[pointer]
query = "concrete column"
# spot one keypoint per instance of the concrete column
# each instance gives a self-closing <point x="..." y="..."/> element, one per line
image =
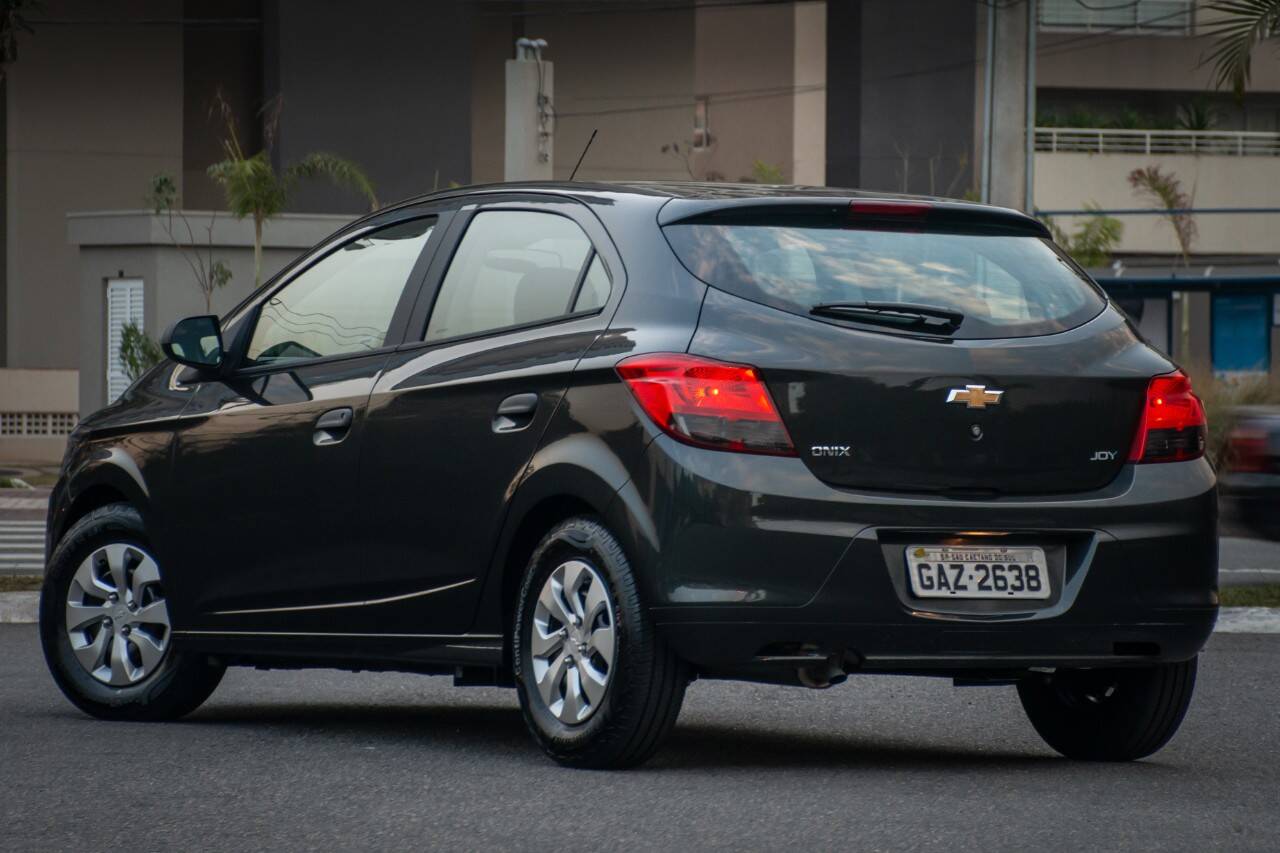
<point x="529" y="130"/>
<point x="1008" y="164"/>
<point x="1192" y="333"/>
<point x="1275" y="334"/>
<point x="900" y="96"/>
<point x="809" y="110"/>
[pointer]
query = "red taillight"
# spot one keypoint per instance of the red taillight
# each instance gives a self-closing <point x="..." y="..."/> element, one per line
<point x="707" y="403"/>
<point x="1172" y="426"/>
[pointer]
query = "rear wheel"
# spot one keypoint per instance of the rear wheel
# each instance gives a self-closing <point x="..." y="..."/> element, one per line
<point x="598" y="688"/>
<point x="1109" y="714"/>
<point x="105" y="626"/>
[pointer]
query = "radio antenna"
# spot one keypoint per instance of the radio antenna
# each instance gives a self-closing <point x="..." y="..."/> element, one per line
<point x="585" y="148"/>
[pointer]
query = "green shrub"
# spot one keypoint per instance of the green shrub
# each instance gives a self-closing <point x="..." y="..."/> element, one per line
<point x="138" y="352"/>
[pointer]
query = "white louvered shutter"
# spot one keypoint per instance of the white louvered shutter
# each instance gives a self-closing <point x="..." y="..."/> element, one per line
<point x="124" y="306"/>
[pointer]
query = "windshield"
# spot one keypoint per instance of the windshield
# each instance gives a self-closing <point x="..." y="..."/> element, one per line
<point x="1005" y="286"/>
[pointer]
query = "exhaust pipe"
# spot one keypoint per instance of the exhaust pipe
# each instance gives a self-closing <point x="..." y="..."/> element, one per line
<point x="828" y="673"/>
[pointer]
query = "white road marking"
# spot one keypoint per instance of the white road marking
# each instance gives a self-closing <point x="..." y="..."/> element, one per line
<point x="24" y="503"/>
<point x="21" y="546"/>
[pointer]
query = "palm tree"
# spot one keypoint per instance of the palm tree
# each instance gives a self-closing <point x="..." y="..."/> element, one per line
<point x="252" y="186"/>
<point x="1245" y="25"/>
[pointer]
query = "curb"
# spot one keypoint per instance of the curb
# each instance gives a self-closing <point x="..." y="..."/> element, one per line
<point x="1248" y="620"/>
<point x="19" y="608"/>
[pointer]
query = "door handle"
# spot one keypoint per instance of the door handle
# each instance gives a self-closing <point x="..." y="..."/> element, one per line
<point x="332" y="427"/>
<point x="515" y="413"/>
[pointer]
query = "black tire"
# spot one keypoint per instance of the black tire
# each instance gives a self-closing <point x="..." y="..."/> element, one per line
<point x="646" y="683"/>
<point x="1109" y="714"/>
<point x="180" y="682"/>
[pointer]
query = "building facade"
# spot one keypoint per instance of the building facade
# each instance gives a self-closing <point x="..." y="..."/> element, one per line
<point x="876" y="94"/>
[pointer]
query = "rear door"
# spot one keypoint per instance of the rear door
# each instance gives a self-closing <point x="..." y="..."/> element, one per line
<point x="459" y="410"/>
<point x="1037" y="390"/>
<point x="266" y="460"/>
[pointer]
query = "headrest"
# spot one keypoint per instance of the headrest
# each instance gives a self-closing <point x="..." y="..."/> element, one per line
<point x="543" y="293"/>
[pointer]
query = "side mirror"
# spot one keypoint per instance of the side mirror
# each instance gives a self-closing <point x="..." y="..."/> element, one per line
<point x="195" y="342"/>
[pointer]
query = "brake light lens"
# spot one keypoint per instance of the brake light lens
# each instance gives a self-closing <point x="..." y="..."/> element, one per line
<point x="707" y="403"/>
<point x="890" y="207"/>
<point x="1172" y="427"/>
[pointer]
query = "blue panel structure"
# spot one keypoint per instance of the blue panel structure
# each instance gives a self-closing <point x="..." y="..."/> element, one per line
<point x="1241" y="332"/>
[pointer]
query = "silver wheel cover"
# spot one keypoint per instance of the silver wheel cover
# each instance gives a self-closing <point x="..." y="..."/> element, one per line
<point x="573" y="642"/>
<point x="117" y="618"/>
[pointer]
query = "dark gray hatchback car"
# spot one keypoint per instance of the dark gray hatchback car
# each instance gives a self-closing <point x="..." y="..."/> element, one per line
<point x="594" y="441"/>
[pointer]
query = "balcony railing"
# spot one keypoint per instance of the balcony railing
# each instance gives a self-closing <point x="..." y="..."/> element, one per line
<point x="1231" y="143"/>
<point x="1173" y="17"/>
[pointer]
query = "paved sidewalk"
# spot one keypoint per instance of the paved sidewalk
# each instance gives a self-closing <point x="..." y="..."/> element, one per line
<point x="24" y="504"/>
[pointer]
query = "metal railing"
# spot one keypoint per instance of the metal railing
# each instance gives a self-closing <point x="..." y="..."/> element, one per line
<point x="1097" y="140"/>
<point x="1173" y="17"/>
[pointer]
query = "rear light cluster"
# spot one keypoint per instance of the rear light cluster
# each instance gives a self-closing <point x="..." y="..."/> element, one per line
<point x="1172" y="426"/>
<point x="707" y="403"/>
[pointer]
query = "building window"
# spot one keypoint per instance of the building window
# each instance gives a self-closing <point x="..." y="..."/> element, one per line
<point x="701" y="131"/>
<point x="1158" y="16"/>
<point x="124" y="306"/>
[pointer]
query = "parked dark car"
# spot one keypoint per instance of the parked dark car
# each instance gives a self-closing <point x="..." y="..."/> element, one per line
<point x="1250" y="485"/>
<point x="594" y="441"/>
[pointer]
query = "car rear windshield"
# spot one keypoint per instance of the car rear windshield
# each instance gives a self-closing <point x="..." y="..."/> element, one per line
<point x="1006" y="286"/>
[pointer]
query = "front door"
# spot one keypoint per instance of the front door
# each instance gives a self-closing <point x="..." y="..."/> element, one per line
<point x="266" y="460"/>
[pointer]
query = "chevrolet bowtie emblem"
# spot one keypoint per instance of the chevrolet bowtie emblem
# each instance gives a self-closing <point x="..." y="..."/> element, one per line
<point x="974" y="396"/>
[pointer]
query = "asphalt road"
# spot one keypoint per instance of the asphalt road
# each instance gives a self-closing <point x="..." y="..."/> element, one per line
<point x="332" y="761"/>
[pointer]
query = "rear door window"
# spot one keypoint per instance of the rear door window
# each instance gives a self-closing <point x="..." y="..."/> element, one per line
<point x="514" y="268"/>
<point x="1004" y="285"/>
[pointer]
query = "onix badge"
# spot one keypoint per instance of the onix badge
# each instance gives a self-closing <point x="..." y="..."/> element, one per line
<point x="974" y="396"/>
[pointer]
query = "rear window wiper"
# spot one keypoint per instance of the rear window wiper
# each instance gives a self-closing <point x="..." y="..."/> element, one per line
<point x="900" y="315"/>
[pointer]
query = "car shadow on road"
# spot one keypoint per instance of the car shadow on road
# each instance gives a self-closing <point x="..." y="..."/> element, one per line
<point x="475" y="727"/>
<point x="701" y="746"/>
<point x="499" y="732"/>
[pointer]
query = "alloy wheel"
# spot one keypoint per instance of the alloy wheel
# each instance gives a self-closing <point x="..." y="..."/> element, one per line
<point x="573" y="641"/>
<point x="117" y="617"/>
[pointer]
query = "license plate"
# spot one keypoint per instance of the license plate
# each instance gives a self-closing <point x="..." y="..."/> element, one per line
<point x="970" y="571"/>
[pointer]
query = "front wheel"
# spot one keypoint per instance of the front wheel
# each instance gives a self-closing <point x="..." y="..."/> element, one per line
<point x="597" y="686"/>
<point x="105" y="627"/>
<point x="1109" y="714"/>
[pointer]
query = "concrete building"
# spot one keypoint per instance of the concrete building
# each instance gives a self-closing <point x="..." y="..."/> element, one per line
<point x="876" y="94"/>
<point x="1124" y="88"/>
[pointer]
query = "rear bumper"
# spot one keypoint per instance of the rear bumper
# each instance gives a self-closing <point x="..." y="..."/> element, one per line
<point x="752" y="563"/>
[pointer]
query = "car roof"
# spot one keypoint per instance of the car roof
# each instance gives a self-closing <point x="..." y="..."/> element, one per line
<point x="685" y="199"/>
<point x="672" y="189"/>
